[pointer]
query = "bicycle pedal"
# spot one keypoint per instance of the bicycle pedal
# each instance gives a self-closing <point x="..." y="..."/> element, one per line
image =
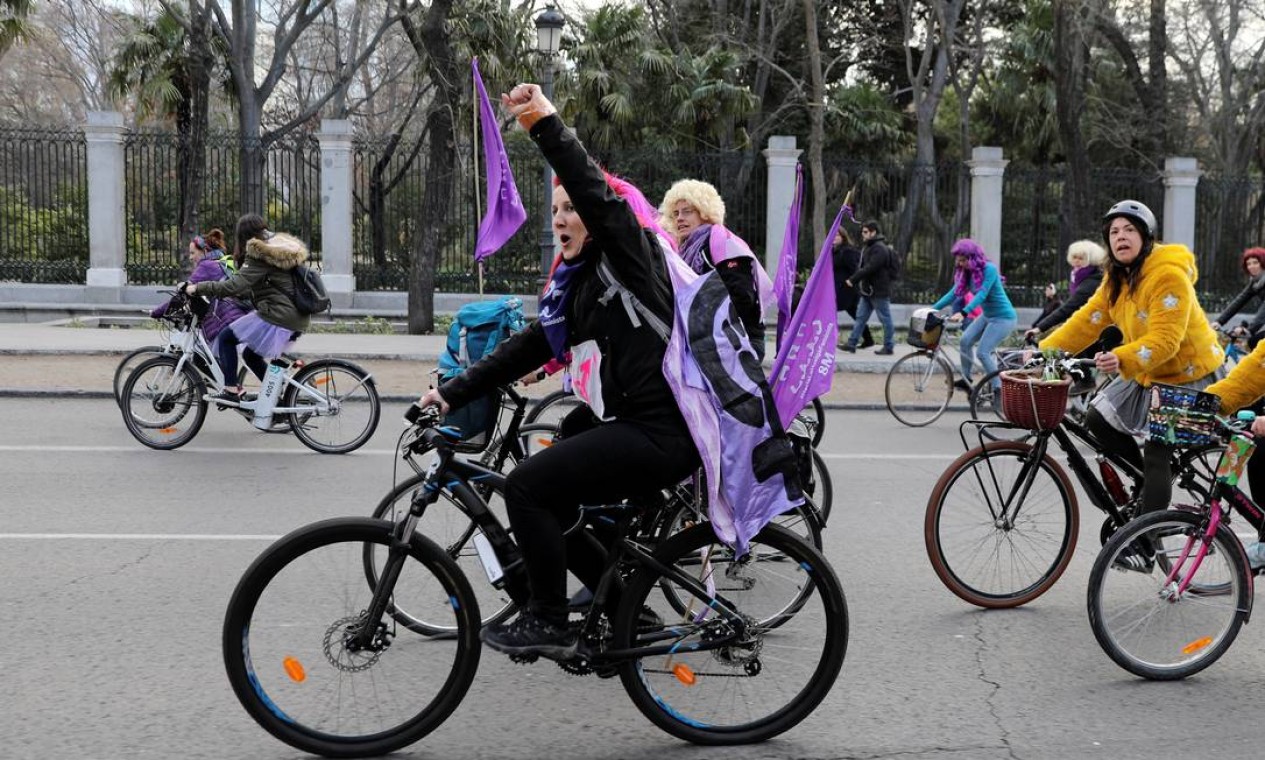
<point x="524" y="659"/>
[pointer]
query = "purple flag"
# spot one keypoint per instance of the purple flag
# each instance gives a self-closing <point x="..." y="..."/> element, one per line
<point x="505" y="212"/>
<point x="784" y="279"/>
<point x="805" y="364"/>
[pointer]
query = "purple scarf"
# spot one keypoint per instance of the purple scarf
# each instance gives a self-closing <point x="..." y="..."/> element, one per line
<point x="697" y="248"/>
<point x="1078" y="276"/>
<point x="553" y="306"/>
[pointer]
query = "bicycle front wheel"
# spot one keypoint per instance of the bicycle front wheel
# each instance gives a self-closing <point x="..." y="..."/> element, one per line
<point x="339" y="403"/>
<point x="447" y="522"/>
<point x="162" y="403"/>
<point x="759" y="683"/>
<point x="1162" y="623"/>
<point x="130" y="362"/>
<point x="1001" y="525"/>
<point x="919" y="387"/>
<point x="291" y="653"/>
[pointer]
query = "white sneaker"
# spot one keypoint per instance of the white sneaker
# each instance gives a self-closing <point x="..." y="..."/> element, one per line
<point x="1256" y="554"/>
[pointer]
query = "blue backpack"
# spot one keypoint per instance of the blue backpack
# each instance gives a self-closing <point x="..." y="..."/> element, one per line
<point x="477" y="329"/>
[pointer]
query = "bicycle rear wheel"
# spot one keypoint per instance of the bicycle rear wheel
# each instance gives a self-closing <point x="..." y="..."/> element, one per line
<point x="985" y="549"/>
<point x="447" y="522"/>
<point x="130" y="362"/>
<point x="162" y="406"/>
<point x="918" y="389"/>
<point x="553" y="408"/>
<point x="814" y="418"/>
<point x="343" y="403"/>
<point x="763" y="682"/>
<point x="290" y="656"/>
<point x="821" y="489"/>
<point x="1149" y="626"/>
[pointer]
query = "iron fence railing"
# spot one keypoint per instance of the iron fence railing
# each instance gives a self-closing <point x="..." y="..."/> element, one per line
<point x="43" y="206"/>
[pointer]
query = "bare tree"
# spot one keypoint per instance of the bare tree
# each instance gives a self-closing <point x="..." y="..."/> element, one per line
<point x="1072" y="36"/>
<point x="1148" y="135"/>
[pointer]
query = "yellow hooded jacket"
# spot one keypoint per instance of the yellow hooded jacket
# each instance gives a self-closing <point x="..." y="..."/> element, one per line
<point x="1245" y="383"/>
<point x="1167" y="338"/>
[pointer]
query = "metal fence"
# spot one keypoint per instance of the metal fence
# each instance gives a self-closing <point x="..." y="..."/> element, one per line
<point x="43" y="206"/>
<point x="152" y="199"/>
<point x="44" y="227"/>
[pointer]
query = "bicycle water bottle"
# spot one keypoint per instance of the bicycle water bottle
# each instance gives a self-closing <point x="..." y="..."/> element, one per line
<point x="274" y="380"/>
<point x="1111" y="479"/>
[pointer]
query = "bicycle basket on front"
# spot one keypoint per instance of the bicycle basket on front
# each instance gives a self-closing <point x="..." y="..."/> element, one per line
<point x="477" y="421"/>
<point x="1033" y="403"/>
<point x="1182" y="416"/>
<point x="925" y="330"/>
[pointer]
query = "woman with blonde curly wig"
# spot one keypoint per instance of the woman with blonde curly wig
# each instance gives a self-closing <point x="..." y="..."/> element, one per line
<point x="1086" y="258"/>
<point x="694" y="212"/>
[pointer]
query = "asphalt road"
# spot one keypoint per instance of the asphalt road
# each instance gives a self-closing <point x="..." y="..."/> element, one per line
<point x="117" y="562"/>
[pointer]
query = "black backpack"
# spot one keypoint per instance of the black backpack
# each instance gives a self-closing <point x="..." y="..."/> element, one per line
<point x="309" y="290"/>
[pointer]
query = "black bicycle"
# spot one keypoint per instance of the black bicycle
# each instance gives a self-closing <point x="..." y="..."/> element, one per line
<point x="1002" y="521"/>
<point x="317" y="655"/>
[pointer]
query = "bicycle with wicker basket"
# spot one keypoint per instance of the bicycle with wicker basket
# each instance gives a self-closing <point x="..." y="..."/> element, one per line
<point x="1002" y="521"/>
<point x="1179" y="610"/>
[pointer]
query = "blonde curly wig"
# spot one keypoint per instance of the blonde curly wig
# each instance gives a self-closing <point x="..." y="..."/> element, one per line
<point x="700" y="195"/>
<point x="1095" y="255"/>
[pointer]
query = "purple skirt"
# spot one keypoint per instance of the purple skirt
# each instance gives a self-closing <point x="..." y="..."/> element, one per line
<point x="266" y="339"/>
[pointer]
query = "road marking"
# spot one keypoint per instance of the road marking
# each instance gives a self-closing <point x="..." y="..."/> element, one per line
<point x="135" y="537"/>
<point x="192" y="449"/>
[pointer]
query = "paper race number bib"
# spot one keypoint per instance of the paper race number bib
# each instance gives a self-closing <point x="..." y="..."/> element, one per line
<point x="586" y="376"/>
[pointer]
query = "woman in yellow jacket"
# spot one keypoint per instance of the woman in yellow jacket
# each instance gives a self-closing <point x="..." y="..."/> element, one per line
<point x="1149" y="294"/>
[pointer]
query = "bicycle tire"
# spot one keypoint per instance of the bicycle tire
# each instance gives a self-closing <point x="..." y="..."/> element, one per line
<point x="1175" y="620"/>
<point x="734" y="678"/>
<point x="552" y="408"/>
<point x="964" y="575"/>
<point x="359" y="405"/>
<point x="913" y="388"/>
<point x="153" y="407"/>
<point x="289" y="676"/>
<point x="454" y="534"/>
<point x="129" y="362"/>
<point x="823" y="493"/>
<point x="814" y="417"/>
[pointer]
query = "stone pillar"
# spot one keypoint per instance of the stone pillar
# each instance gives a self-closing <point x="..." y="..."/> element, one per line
<point x="988" y="170"/>
<point x="107" y="228"/>
<point x="336" y="210"/>
<point x="1181" y="181"/>
<point x="783" y="157"/>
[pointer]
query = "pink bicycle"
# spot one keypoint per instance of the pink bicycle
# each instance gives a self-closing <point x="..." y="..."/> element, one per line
<point x="1170" y="590"/>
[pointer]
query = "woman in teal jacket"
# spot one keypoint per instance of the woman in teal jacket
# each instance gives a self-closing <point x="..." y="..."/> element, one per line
<point x="976" y="274"/>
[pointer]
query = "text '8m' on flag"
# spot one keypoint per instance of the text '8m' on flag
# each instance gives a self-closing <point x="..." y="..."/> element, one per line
<point x="505" y="212"/>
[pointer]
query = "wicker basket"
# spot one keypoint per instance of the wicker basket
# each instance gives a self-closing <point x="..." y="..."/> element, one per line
<point x="1033" y="403"/>
<point x="1182" y="416"/>
<point x="924" y="332"/>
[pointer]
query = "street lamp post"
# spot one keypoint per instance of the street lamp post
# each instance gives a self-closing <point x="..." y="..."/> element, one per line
<point x="548" y="40"/>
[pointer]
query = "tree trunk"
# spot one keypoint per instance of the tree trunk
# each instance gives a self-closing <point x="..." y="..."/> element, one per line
<point x="1157" y="60"/>
<point x="1071" y="76"/>
<point x="817" y="125"/>
<point x="193" y="142"/>
<point x="440" y="186"/>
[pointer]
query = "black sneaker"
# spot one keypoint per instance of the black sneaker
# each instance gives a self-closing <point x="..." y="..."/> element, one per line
<point x="848" y="347"/>
<point x="962" y="385"/>
<point x="1133" y="561"/>
<point x="228" y="397"/>
<point x="885" y="351"/>
<point x="529" y="634"/>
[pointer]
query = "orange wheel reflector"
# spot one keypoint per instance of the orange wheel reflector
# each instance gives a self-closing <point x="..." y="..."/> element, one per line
<point x="684" y="674"/>
<point x="168" y="430"/>
<point x="321" y="381"/>
<point x="1196" y="645"/>
<point x="294" y="669"/>
<point x="544" y="442"/>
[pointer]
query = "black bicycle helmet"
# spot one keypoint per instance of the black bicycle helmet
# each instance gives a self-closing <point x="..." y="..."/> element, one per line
<point x="1136" y="212"/>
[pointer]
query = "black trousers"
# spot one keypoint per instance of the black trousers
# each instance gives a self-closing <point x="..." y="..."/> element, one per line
<point x="1153" y="460"/>
<point x="601" y="465"/>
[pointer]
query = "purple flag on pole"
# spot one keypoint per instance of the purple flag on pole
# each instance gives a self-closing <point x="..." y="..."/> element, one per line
<point x="505" y="212"/>
<point x="805" y="364"/>
<point x="784" y="279"/>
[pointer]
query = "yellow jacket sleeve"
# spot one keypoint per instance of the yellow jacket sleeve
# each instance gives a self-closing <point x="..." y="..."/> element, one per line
<point x="1170" y="301"/>
<point x="1083" y="327"/>
<point x="1245" y="383"/>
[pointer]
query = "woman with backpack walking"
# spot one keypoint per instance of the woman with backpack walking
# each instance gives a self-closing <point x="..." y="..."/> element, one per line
<point x="265" y="262"/>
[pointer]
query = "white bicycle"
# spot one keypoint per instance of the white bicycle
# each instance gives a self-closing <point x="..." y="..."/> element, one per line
<point x="331" y="405"/>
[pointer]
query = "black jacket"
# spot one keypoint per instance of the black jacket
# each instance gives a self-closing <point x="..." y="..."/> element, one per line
<point x="633" y="386"/>
<point x="846" y="260"/>
<point x="1254" y="289"/>
<point x="1075" y="300"/>
<point x="874" y="278"/>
